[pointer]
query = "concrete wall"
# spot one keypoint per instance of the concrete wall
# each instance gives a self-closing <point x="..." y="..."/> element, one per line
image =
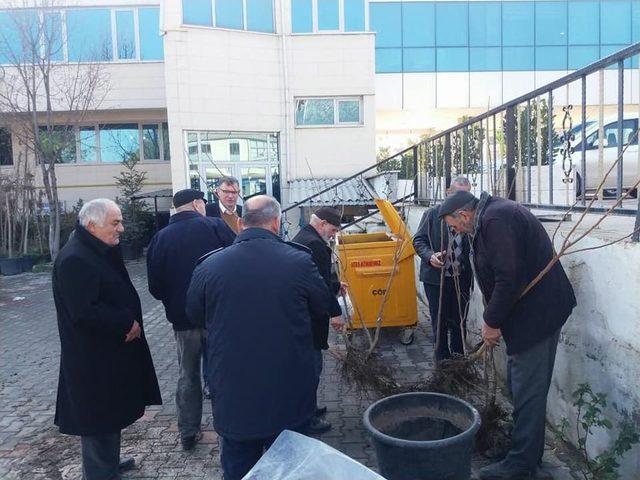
<point x="600" y="343"/>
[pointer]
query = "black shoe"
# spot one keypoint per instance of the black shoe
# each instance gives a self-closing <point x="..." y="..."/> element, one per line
<point x="505" y="471"/>
<point x="189" y="443"/>
<point x="318" y="426"/>
<point x="320" y="411"/>
<point x="128" y="464"/>
<point x="206" y="392"/>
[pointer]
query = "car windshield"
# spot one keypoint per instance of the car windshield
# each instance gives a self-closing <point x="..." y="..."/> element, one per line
<point x="576" y="131"/>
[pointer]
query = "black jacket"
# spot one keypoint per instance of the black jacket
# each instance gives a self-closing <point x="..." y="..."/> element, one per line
<point x="213" y="209"/>
<point x="433" y="236"/>
<point x="104" y="383"/>
<point x="172" y="256"/>
<point x="258" y="297"/>
<point x="321" y="254"/>
<point x="510" y="248"/>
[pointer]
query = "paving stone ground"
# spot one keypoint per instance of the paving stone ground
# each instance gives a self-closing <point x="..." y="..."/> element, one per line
<point x="32" y="448"/>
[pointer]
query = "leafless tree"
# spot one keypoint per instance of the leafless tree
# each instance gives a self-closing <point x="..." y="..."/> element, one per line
<point x="43" y="97"/>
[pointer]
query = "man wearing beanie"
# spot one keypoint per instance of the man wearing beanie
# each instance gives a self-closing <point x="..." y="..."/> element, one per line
<point x="510" y="247"/>
<point x="323" y="226"/>
<point x="171" y="259"/>
<point x="439" y="250"/>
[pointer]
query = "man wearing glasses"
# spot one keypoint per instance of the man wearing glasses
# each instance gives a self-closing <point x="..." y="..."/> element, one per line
<point x="227" y="208"/>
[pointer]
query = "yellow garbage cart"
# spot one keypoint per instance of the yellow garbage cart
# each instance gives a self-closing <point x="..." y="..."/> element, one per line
<point x="366" y="264"/>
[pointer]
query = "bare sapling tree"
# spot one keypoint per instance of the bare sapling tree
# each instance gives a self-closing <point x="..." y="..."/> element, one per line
<point x="43" y="96"/>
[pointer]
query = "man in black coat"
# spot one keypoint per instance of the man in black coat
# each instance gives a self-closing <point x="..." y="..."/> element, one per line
<point x="258" y="297"/>
<point x="323" y="226"/>
<point x="510" y="248"/>
<point x="171" y="257"/>
<point x="226" y="206"/>
<point x="437" y="251"/>
<point x="106" y="371"/>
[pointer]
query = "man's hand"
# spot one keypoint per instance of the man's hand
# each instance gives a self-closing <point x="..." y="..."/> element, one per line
<point x="134" y="333"/>
<point x="343" y="289"/>
<point x="436" y="260"/>
<point x="337" y="323"/>
<point x="491" y="335"/>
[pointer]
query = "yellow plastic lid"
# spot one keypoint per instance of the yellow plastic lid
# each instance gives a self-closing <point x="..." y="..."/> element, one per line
<point x="392" y="218"/>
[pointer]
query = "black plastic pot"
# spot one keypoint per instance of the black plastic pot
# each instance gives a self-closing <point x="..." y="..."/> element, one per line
<point x="423" y="436"/>
<point x="28" y="261"/>
<point x="10" y="266"/>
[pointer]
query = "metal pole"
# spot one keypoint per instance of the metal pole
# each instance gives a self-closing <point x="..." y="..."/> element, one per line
<point x="620" y="121"/>
<point x="447" y="160"/>
<point x="510" y="138"/>
<point x="529" y="151"/>
<point x="550" y="143"/>
<point x="583" y="143"/>
<point x="415" y="175"/>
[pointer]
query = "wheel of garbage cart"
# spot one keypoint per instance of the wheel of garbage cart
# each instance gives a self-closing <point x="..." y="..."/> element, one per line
<point x="407" y="335"/>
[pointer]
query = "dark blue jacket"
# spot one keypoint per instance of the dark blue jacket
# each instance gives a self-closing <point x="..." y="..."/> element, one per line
<point x="258" y="297"/>
<point x="173" y="254"/>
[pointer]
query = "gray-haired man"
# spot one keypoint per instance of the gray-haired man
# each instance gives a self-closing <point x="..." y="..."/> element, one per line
<point x="106" y="371"/>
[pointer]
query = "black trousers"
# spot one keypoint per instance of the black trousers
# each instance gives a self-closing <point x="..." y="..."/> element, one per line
<point x="449" y="339"/>
<point x="529" y="377"/>
<point x="100" y="457"/>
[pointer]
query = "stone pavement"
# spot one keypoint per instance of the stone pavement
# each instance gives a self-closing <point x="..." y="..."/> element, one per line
<point x="31" y="447"/>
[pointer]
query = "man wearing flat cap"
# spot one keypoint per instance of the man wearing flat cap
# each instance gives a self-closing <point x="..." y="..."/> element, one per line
<point x="171" y="259"/>
<point x="510" y="247"/>
<point x="322" y="228"/>
<point x="445" y="267"/>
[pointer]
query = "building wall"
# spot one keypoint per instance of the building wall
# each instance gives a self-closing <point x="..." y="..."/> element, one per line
<point x="600" y="343"/>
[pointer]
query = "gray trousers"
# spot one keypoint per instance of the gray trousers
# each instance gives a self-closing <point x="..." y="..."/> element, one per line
<point x="100" y="456"/>
<point x="529" y="377"/>
<point x="189" y="392"/>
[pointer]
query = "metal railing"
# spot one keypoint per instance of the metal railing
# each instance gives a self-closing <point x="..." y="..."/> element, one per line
<point x="537" y="149"/>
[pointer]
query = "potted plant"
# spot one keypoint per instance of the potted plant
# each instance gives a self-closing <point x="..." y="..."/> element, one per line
<point x="133" y="210"/>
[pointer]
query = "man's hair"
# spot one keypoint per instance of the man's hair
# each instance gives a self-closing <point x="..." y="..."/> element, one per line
<point x="95" y="211"/>
<point x="228" y="180"/>
<point x="461" y="181"/>
<point x="259" y="211"/>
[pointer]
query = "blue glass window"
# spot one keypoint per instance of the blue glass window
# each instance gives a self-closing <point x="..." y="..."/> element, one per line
<point x="517" y="23"/>
<point x="584" y="23"/>
<point x="88" y="150"/>
<point x="119" y="142"/>
<point x="583" y="55"/>
<point x="126" y="35"/>
<point x="452" y="22"/>
<point x="354" y="15"/>
<point x="348" y="111"/>
<point x="635" y="27"/>
<point x="485" y="59"/>
<point x="551" y="23"/>
<point x="615" y="27"/>
<point x="229" y="14"/>
<point x="260" y="15"/>
<point x="551" y="58"/>
<point x="485" y="24"/>
<point x="53" y="36"/>
<point x="385" y="19"/>
<point x="151" y="46"/>
<point x="517" y="59"/>
<point x="15" y="46"/>
<point x="419" y="59"/>
<point x="197" y="12"/>
<point x="418" y="28"/>
<point x="301" y="16"/>
<point x="388" y="60"/>
<point x="89" y="35"/>
<point x="328" y="15"/>
<point x="452" y="59"/>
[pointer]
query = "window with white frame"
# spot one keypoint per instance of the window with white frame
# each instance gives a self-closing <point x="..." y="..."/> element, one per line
<point x="323" y="111"/>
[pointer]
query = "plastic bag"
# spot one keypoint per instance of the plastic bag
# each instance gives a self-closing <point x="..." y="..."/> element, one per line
<point x="296" y="457"/>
